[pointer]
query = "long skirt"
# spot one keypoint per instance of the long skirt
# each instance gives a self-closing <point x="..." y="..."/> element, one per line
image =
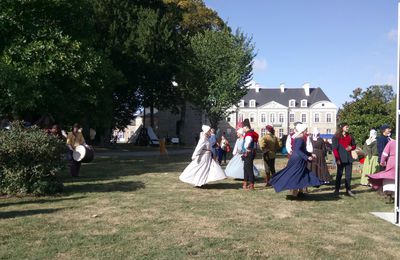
<point x="203" y="169"/>
<point x="371" y="166"/>
<point x="234" y="169"/>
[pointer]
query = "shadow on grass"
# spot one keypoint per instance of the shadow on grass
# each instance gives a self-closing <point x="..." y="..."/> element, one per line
<point x="222" y="186"/>
<point x="121" y="186"/>
<point x="315" y="197"/>
<point x="24" y="213"/>
<point x="38" y="201"/>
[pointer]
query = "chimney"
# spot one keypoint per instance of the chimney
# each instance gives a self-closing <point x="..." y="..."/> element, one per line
<point x="282" y="87"/>
<point x="257" y="88"/>
<point x="306" y="87"/>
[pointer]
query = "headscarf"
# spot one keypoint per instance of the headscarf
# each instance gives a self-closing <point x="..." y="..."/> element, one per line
<point x="300" y="128"/>
<point x="372" y="137"/>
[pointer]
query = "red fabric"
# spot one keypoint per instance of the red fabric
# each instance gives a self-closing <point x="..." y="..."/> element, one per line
<point x="344" y="141"/>
<point x="253" y="136"/>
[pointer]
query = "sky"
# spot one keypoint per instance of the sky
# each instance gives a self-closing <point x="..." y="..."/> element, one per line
<point x="337" y="45"/>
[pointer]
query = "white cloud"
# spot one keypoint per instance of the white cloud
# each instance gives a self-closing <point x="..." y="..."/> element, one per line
<point x="392" y="35"/>
<point x="260" y="64"/>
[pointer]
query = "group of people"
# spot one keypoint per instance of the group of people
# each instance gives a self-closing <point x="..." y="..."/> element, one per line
<point x="379" y="162"/>
<point x="306" y="167"/>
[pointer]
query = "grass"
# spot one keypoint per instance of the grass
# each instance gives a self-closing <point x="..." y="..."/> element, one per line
<point x="136" y="208"/>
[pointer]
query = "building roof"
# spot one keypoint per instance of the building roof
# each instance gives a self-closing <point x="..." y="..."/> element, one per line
<point x="266" y="95"/>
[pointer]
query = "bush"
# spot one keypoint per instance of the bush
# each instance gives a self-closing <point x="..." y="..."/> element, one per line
<point x="29" y="161"/>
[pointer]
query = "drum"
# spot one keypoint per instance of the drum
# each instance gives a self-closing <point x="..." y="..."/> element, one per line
<point x="83" y="153"/>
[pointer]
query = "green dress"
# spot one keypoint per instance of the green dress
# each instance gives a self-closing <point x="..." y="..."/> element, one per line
<point x="371" y="164"/>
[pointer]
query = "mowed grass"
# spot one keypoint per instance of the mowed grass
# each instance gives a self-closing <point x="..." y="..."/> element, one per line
<point x="136" y="208"/>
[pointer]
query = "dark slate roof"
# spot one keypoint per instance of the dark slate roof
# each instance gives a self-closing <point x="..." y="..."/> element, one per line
<point x="266" y="95"/>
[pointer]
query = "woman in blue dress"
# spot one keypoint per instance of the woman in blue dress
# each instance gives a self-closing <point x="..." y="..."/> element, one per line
<point x="296" y="176"/>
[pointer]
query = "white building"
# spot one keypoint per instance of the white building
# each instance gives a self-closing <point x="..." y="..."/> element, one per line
<point x="282" y="107"/>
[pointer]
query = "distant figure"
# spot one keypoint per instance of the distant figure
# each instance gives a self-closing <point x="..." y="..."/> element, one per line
<point x="382" y="140"/>
<point x="223" y="149"/>
<point x="371" y="164"/>
<point x="318" y="165"/>
<point x="203" y="169"/>
<point x="214" y="143"/>
<point x="269" y="145"/>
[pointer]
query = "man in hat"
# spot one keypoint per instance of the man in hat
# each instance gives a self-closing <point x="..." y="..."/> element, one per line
<point x="250" y="146"/>
<point x="269" y="145"/>
<point x="382" y="141"/>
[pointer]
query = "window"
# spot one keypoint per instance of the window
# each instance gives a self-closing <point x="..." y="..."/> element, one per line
<point x="252" y="103"/>
<point x="292" y="103"/>
<point x="228" y="119"/>
<point x="241" y="104"/>
<point x="263" y="132"/>
<point x="303" y="103"/>
<point x="328" y="131"/>
<point x="280" y="132"/>
<point x="263" y="118"/>
<point x="252" y="118"/>
<point x="272" y="118"/>
<point x="329" y="118"/>
<point x="291" y="118"/>
<point x="316" y="118"/>
<point x="281" y="118"/>
<point x="303" y="118"/>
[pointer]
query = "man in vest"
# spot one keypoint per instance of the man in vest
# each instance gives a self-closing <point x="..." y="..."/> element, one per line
<point x="250" y="146"/>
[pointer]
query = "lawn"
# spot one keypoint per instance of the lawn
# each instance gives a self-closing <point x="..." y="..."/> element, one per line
<point x="136" y="208"/>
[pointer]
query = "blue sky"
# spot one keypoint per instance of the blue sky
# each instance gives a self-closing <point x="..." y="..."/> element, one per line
<point x="337" y="45"/>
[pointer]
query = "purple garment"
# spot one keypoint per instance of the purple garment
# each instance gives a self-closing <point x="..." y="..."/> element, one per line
<point x="388" y="156"/>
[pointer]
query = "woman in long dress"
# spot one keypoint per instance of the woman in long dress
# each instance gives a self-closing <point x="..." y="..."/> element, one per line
<point x="296" y="176"/>
<point x="234" y="169"/>
<point x="371" y="164"/>
<point x="385" y="180"/>
<point x="203" y="169"/>
<point x="319" y="166"/>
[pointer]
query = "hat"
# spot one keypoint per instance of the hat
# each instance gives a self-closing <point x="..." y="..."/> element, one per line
<point x="300" y="128"/>
<point x="240" y="131"/>
<point x="384" y="127"/>
<point x="205" y="128"/>
<point x="270" y="128"/>
<point x="246" y="123"/>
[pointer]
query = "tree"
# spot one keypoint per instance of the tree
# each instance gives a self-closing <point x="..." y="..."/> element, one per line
<point x="222" y="63"/>
<point x="369" y="109"/>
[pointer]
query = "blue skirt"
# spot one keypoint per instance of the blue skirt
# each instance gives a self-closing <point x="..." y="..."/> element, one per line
<point x="234" y="169"/>
<point x="294" y="176"/>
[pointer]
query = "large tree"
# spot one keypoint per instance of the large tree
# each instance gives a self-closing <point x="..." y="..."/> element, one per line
<point x="222" y="63"/>
<point x="368" y="109"/>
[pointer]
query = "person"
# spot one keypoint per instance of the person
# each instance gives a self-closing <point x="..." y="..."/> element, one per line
<point x="203" y="168"/>
<point x="74" y="139"/>
<point x="382" y="140"/>
<point x="250" y="148"/>
<point x="296" y="176"/>
<point x="319" y="166"/>
<point x="214" y="143"/>
<point x="223" y="149"/>
<point x="235" y="167"/>
<point x="371" y="164"/>
<point x="290" y="141"/>
<point x="56" y="131"/>
<point x="269" y="145"/>
<point x="385" y="180"/>
<point x="342" y="144"/>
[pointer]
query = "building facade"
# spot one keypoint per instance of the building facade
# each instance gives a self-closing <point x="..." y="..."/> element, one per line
<point x="282" y="107"/>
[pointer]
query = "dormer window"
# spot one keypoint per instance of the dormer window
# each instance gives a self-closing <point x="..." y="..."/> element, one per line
<point x="292" y="103"/>
<point x="303" y="103"/>
<point x="241" y="103"/>
<point x="252" y="103"/>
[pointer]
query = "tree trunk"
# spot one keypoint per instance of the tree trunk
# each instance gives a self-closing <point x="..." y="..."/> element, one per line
<point x="152" y="116"/>
<point x="181" y="125"/>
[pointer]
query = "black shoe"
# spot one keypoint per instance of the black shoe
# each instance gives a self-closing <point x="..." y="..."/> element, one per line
<point x="350" y="194"/>
<point x="336" y="193"/>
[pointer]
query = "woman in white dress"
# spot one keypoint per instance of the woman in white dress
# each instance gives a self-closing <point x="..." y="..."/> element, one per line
<point x="203" y="169"/>
<point x="234" y="169"/>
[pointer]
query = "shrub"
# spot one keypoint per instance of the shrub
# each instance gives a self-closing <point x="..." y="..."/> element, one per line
<point x="29" y="161"/>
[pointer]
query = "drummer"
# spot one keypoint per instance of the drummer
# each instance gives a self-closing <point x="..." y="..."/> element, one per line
<point x="74" y="139"/>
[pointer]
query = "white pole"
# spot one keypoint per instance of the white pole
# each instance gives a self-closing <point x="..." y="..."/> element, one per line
<point x="397" y="177"/>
